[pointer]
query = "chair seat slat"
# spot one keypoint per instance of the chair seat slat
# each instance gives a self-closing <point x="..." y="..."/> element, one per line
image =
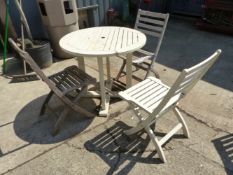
<point x="139" y="89"/>
<point x="153" y="96"/>
<point x="147" y="91"/>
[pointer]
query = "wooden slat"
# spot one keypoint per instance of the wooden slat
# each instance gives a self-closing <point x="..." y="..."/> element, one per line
<point x="125" y="38"/>
<point x="150" y="27"/>
<point x="143" y="86"/>
<point x="120" y="39"/>
<point x="155" y="100"/>
<point x="152" y="94"/>
<point x="147" y="90"/>
<point x="136" y="86"/>
<point x="95" y="43"/>
<point x="170" y="134"/>
<point x="138" y="60"/>
<point x="102" y="40"/>
<point x="208" y="61"/>
<point x="115" y="38"/>
<point x="130" y="38"/>
<point x="152" y="14"/>
<point x="145" y="52"/>
<point x="110" y="40"/>
<point x="134" y="37"/>
<point x="155" y="34"/>
<point x="156" y="97"/>
<point x="149" y="20"/>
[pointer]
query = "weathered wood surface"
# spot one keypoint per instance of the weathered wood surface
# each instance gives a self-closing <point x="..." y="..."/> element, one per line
<point x="70" y="79"/>
<point x="103" y="41"/>
<point x="153" y="24"/>
<point x="155" y="98"/>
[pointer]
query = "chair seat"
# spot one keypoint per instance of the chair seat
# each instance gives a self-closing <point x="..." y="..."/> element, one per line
<point x="148" y="94"/>
<point x="71" y="78"/>
<point x="139" y="56"/>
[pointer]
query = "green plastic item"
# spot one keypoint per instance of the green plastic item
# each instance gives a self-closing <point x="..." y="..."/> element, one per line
<point x="5" y="36"/>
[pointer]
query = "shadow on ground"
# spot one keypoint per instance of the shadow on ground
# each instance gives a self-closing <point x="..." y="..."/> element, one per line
<point x="33" y="129"/>
<point x="120" y="152"/>
<point x="184" y="46"/>
<point x="224" y="147"/>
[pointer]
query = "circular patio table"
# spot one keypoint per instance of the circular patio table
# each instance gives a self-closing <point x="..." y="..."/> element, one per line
<point x="104" y="42"/>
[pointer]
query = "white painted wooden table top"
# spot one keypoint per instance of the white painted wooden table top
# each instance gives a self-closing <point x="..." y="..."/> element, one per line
<point x="102" y="41"/>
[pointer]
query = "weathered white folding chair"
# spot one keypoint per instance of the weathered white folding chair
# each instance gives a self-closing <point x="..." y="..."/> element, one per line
<point x="61" y="84"/>
<point x="155" y="98"/>
<point x="152" y="24"/>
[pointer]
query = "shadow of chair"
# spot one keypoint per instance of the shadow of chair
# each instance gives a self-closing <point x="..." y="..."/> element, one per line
<point x="224" y="147"/>
<point x="120" y="152"/>
<point x="34" y="129"/>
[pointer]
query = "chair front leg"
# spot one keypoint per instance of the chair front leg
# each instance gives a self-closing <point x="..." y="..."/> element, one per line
<point x="155" y="141"/>
<point x="43" y="107"/>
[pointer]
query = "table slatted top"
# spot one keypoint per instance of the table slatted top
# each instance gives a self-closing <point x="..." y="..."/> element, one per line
<point x="102" y="41"/>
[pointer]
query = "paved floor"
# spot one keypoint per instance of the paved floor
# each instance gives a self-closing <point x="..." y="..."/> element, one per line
<point x="97" y="146"/>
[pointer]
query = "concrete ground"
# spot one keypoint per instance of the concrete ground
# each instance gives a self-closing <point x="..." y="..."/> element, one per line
<point x="98" y="146"/>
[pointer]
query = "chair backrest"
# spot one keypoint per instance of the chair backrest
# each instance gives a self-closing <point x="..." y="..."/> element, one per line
<point x="36" y="68"/>
<point x="153" y="24"/>
<point x="186" y="81"/>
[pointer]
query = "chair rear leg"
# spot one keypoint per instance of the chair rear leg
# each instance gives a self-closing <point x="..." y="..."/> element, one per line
<point x="182" y="121"/>
<point x="137" y="128"/>
<point x="60" y="120"/>
<point x="65" y="112"/>
<point x="151" y="68"/>
<point x="155" y="141"/>
<point x="121" y="70"/>
<point x="42" y="111"/>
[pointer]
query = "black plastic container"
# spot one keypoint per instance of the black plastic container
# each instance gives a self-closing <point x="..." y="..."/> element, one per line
<point x="41" y="53"/>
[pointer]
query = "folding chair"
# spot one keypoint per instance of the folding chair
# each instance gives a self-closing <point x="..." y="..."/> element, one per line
<point x="154" y="25"/>
<point x="61" y="84"/>
<point x="155" y="98"/>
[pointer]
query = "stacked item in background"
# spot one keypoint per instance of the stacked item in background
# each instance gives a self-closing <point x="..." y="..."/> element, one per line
<point x="60" y="17"/>
<point x="218" y="16"/>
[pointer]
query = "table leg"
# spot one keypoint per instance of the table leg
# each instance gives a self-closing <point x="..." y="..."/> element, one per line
<point x="108" y="69"/>
<point x="81" y="63"/>
<point x="104" y="101"/>
<point x="129" y="70"/>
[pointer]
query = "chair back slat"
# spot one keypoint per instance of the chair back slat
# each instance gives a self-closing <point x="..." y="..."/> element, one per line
<point x="152" y="24"/>
<point x="187" y="79"/>
<point x="195" y="73"/>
